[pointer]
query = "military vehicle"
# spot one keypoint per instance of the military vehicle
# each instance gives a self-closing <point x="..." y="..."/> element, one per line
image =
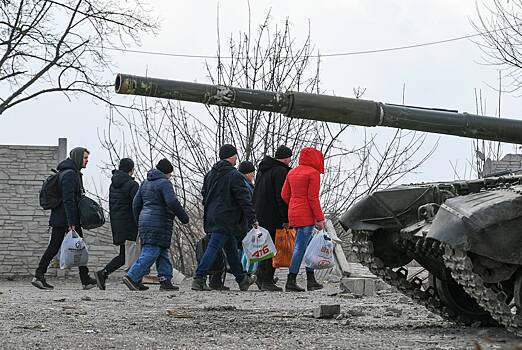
<point x="464" y="233"/>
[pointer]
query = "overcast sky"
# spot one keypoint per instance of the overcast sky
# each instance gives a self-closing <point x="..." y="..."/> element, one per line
<point x="442" y="76"/>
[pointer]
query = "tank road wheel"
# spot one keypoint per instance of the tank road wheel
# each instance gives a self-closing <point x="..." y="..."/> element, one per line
<point x="459" y="302"/>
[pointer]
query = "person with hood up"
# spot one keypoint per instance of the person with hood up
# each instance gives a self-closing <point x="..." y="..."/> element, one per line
<point x="66" y="216"/>
<point x="123" y="226"/>
<point x="155" y="206"/>
<point x="301" y="193"/>
<point x="226" y="198"/>
<point x="271" y="210"/>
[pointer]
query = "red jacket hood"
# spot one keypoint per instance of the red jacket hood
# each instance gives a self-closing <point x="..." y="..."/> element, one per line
<point x="313" y="158"/>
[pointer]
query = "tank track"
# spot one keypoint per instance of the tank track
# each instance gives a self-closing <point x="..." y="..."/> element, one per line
<point x="492" y="300"/>
<point x="362" y="246"/>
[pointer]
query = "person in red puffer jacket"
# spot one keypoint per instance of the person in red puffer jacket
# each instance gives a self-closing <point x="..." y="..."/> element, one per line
<point x="301" y="193"/>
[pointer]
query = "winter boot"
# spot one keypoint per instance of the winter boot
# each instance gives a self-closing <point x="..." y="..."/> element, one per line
<point x="246" y="282"/>
<point x="40" y="282"/>
<point x="311" y="283"/>
<point x="270" y="287"/>
<point x="200" y="284"/>
<point x="101" y="277"/>
<point x="167" y="286"/>
<point x="291" y="284"/>
<point x="89" y="283"/>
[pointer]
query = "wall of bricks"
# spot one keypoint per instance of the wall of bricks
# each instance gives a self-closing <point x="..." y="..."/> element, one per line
<point x="24" y="231"/>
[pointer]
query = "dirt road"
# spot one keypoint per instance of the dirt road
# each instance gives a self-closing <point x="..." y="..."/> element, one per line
<point x="120" y="319"/>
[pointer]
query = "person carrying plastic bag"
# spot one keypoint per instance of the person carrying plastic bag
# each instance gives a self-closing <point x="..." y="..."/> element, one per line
<point x="301" y="192"/>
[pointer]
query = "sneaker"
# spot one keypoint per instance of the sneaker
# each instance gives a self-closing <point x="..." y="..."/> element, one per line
<point x="89" y="284"/>
<point x="200" y="284"/>
<point x="40" y="283"/>
<point x="167" y="286"/>
<point x="101" y="277"/>
<point x="130" y="283"/>
<point x="246" y="282"/>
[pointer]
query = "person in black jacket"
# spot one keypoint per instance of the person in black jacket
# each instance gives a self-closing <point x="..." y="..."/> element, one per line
<point x="271" y="210"/>
<point x="225" y="198"/>
<point x="66" y="216"/>
<point x="121" y="193"/>
<point x="155" y="206"/>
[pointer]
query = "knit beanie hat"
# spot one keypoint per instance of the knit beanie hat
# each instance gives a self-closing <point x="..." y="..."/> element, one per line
<point x="165" y="166"/>
<point x="227" y="151"/>
<point x="283" y="152"/>
<point x="76" y="156"/>
<point x="246" y="167"/>
<point x="126" y="165"/>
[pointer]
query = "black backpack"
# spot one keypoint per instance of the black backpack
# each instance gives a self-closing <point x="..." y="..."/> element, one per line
<point x="50" y="193"/>
<point x="219" y="265"/>
<point x="91" y="214"/>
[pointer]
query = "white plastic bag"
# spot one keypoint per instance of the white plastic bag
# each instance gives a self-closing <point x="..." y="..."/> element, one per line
<point x="258" y="245"/>
<point x="319" y="253"/>
<point x="73" y="251"/>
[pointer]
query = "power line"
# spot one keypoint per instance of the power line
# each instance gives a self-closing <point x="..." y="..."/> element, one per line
<point x="349" y="53"/>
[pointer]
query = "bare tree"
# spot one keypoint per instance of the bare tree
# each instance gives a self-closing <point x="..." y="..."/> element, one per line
<point x="49" y="46"/>
<point x="272" y="59"/>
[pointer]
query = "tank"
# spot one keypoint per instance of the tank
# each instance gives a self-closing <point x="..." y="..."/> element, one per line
<point x="463" y="233"/>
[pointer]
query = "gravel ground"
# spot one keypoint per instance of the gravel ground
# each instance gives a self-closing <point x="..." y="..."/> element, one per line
<point x="117" y="318"/>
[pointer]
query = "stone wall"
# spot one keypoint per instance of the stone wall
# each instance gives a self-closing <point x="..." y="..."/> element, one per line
<point x="510" y="162"/>
<point x="24" y="231"/>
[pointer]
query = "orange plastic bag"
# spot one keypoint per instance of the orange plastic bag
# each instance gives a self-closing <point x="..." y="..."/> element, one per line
<point x="284" y="242"/>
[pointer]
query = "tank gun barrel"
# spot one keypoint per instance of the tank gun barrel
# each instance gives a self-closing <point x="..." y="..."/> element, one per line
<point x="327" y="108"/>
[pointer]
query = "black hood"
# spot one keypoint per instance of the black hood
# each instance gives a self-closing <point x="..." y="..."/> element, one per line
<point x="220" y="169"/>
<point x="119" y="178"/>
<point x="67" y="164"/>
<point x="269" y="162"/>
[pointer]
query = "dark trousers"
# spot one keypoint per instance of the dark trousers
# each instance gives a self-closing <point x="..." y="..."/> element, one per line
<point x="117" y="262"/>
<point x="265" y="271"/>
<point x="57" y="236"/>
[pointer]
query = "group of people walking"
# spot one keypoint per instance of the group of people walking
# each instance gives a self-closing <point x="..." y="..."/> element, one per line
<point x="279" y="198"/>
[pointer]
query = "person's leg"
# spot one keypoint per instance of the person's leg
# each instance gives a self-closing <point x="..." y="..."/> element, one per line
<point x="117" y="262"/>
<point x="57" y="235"/>
<point x="234" y="261"/>
<point x="149" y="254"/>
<point x="87" y="281"/>
<point x="164" y="265"/>
<point x="215" y="244"/>
<point x="304" y="234"/>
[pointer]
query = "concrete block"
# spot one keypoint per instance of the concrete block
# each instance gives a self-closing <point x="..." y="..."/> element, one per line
<point x="327" y="311"/>
<point x="359" y="286"/>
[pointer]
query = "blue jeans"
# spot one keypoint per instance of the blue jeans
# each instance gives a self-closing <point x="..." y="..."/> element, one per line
<point x="302" y="238"/>
<point x="217" y="242"/>
<point x="150" y="254"/>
